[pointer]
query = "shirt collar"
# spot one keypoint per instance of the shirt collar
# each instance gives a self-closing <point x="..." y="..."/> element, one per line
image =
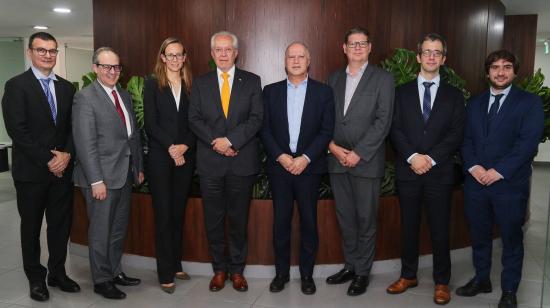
<point x="106" y="88"/>
<point x="38" y="74"/>
<point x="505" y="91"/>
<point x="436" y="80"/>
<point x="363" y="67"/>
<point x="231" y="71"/>
<point x="290" y="84"/>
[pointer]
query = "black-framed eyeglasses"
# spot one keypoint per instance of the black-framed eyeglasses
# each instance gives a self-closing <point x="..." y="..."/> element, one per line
<point x="43" y="51"/>
<point x="362" y="44"/>
<point x="435" y="53"/>
<point x="174" y="56"/>
<point x="109" y="67"/>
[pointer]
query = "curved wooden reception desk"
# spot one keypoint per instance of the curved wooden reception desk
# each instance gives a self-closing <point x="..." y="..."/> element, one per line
<point x="141" y="231"/>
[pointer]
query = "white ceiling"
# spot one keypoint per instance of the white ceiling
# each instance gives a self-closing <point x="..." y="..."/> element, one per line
<point x="18" y="16"/>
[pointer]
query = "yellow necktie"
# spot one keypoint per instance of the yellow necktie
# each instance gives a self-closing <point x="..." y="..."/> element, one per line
<point x="226" y="93"/>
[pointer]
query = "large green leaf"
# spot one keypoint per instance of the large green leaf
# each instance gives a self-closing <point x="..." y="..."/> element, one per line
<point x="403" y="65"/>
<point x="535" y="84"/>
<point x="135" y="87"/>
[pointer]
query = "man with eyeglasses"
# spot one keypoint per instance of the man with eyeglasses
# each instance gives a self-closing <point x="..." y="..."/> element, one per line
<point x="427" y="130"/>
<point x="37" y="113"/>
<point x="504" y="126"/>
<point x="226" y="113"/>
<point x="109" y="160"/>
<point x="364" y="97"/>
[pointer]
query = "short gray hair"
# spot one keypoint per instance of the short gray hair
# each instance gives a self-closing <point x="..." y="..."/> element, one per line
<point x="98" y="51"/>
<point x="308" y="55"/>
<point x="224" y="33"/>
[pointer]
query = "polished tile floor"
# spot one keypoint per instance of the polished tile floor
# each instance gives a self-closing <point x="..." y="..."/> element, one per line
<point x="194" y="293"/>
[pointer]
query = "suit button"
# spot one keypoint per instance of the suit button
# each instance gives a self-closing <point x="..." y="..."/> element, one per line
<point x="424" y="132"/>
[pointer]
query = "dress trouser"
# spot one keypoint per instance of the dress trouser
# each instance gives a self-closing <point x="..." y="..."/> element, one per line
<point x="170" y="185"/>
<point x="108" y="222"/>
<point x="54" y="198"/>
<point x="227" y="196"/>
<point x="357" y="212"/>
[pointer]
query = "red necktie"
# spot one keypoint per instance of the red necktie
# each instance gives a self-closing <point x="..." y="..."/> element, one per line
<point x="119" y="108"/>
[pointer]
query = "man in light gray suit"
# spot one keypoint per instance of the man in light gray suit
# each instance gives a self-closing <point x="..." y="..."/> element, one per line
<point x="108" y="161"/>
<point x="364" y="97"/>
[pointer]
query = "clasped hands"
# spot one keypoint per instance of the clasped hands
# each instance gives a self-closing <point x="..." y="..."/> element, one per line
<point x="294" y="165"/>
<point x="176" y="151"/>
<point x="223" y="147"/>
<point x="485" y="177"/>
<point x="347" y="158"/>
<point x="421" y="163"/>
<point x="59" y="162"/>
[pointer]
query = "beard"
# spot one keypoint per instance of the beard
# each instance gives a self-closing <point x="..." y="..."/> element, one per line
<point x="501" y="86"/>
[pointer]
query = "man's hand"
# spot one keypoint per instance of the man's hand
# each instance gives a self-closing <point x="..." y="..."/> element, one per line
<point x="177" y="150"/>
<point x="352" y="159"/>
<point x="478" y="172"/>
<point x="59" y="162"/>
<point x="141" y="178"/>
<point x="179" y="161"/>
<point x="221" y="145"/>
<point x="230" y="152"/>
<point x="490" y="177"/>
<point x="99" y="191"/>
<point x="421" y="164"/>
<point x="339" y="152"/>
<point x="298" y="165"/>
<point x="286" y="161"/>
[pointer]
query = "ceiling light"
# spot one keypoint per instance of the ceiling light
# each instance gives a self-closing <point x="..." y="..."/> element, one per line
<point x="40" y="27"/>
<point x="62" y="10"/>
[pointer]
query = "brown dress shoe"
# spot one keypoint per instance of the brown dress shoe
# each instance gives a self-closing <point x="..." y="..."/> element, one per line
<point x="218" y="281"/>
<point x="182" y="276"/>
<point x="239" y="282"/>
<point x="401" y="285"/>
<point x="442" y="295"/>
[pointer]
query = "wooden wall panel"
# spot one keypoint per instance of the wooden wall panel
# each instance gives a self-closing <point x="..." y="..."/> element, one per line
<point x="410" y="20"/>
<point x="520" y="37"/>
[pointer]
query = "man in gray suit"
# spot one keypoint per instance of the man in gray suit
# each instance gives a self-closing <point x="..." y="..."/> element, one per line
<point x="364" y="97"/>
<point x="108" y="161"/>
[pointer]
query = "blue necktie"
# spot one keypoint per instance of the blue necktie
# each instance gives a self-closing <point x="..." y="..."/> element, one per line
<point x="493" y="111"/>
<point x="427" y="102"/>
<point x="51" y="102"/>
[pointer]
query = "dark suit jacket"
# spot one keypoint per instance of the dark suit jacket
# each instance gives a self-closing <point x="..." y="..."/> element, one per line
<point x="316" y="127"/>
<point x="510" y="145"/>
<point x="244" y="120"/>
<point x="440" y="137"/>
<point x="29" y="124"/>
<point x="367" y="121"/>
<point x="164" y="123"/>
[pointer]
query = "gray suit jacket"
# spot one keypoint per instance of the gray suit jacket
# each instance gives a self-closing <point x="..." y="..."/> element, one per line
<point x="367" y="121"/>
<point x="103" y="148"/>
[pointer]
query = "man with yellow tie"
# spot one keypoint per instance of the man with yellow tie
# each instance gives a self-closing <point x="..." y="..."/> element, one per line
<point x="226" y="112"/>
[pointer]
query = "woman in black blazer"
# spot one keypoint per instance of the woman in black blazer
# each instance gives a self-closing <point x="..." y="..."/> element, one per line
<point x="171" y="157"/>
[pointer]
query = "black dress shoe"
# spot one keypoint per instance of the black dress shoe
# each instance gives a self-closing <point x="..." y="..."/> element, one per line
<point x="308" y="285"/>
<point x="474" y="287"/>
<point x="278" y="283"/>
<point x="508" y="300"/>
<point x="64" y="283"/>
<point x="123" y="280"/>
<point x="39" y="291"/>
<point x="108" y="290"/>
<point x="358" y="286"/>
<point x="342" y="276"/>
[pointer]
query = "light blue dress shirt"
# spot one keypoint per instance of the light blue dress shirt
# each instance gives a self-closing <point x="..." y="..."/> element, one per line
<point x="492" y="97"/>
<point x="295" y="98"/>
<point x="422" y="88"/>
<point x="51" y="85"/>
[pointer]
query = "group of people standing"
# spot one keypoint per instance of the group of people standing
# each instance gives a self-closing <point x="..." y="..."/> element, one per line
<point x="308" y="129"/>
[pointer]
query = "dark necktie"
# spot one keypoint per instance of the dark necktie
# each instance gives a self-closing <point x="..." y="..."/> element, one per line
<point x="427" y="102"/>
<point x="119" y="108"/>
<point x="49" y="96"/>
<point x="493" y="111"/>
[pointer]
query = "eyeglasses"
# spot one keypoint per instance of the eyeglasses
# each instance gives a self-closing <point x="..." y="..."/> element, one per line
<point x="43" y="51"/>
<point x="362" y="44"/>
<point x="108" y="67"/>
<point x="176" y="56"/>
<point x="434" y="53"/>
<point x="223" y="50"/>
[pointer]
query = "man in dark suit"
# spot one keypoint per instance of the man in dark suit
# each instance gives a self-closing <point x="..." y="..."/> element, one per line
<point x="364" y="97"/>
<point x="225" y="114"/>
<point x="37" y="113"/>
<point x="427" y="130"/>
<point x="109" y="160"/>
<point x="298" y="125"/>
<point x="503" y="129"/>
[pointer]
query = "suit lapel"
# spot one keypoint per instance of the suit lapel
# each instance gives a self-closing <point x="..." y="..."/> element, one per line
<point x="340" y="89"/>
<point x="439" y="94"/>
<point x="483" y="107"/>
<point x="60" y="98"/>
<point x="507" y="107"/>
<point x="281" y="104"/>
<point x="307" y="111"/>
<point x="236" y="90"/>
<point x="360" y="88"/>
<point x="127" y="101"/>
<point x="107" y="103"/>
<point x="216" y="97"/>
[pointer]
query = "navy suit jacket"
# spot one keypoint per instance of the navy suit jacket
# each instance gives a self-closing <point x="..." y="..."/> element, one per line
<point x="509" y="146"/>
<point x="440" y="137"/>
<point x="316" y="127"/>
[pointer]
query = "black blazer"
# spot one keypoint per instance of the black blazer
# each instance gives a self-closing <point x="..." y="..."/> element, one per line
<point x="244" y="120"/>
<point x="164" y="123"/>
<point x="29" y="124"/>
<point x="316" y="127"/>
<point x="439" y="138"/>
